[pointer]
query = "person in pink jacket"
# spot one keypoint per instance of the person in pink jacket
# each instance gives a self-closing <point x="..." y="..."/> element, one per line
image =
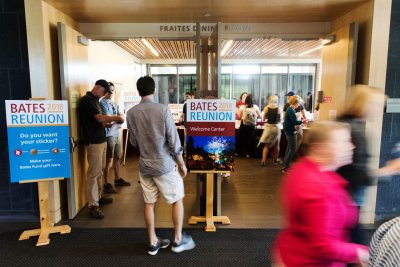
<point x="318" y="210"/>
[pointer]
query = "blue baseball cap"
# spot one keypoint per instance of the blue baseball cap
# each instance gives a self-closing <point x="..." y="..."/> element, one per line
<point x="290" y="93"/>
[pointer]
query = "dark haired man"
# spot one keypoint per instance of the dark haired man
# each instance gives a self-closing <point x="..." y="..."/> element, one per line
<point x="91" y="122"/>
<point x="152" y="130"/>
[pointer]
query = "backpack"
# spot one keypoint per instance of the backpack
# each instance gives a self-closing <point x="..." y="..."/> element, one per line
<point x="249" y="117"/>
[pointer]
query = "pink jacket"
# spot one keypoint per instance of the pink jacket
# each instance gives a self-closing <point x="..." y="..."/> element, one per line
<point x="319" y="214"/>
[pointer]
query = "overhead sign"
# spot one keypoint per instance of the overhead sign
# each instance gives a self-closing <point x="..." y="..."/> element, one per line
<point x="188" y="30"/>
<point x="210" y="127"/>
<point x="38" y="139"/>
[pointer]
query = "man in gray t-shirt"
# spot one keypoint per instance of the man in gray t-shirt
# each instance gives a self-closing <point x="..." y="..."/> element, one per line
<point x="152" y="130"/>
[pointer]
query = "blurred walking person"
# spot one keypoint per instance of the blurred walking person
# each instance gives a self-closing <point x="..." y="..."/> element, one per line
<point x="365" y="103"/>
<point x="318" y="211"/>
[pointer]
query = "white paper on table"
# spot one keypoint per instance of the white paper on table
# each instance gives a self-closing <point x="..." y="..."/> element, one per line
<point x="114" y="129"/>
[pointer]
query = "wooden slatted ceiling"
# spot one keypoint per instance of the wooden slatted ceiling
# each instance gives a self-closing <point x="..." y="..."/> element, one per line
<point x="167" y="49"/>
<point x="257" y="48"/>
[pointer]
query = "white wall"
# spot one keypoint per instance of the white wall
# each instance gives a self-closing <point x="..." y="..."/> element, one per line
<point x="110" y="62"/>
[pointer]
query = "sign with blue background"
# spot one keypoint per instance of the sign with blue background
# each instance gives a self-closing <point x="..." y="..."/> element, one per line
<point x="38" y="139"/>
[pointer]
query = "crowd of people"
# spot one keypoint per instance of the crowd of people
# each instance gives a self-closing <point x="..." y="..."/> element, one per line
<point x="326" y="177"/>
<point x="323" y="186"/>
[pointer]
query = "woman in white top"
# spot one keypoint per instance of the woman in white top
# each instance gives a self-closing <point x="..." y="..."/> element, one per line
<point x="248" y="114"/>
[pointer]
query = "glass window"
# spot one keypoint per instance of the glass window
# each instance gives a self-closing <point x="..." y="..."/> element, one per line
<point x="260" y="81"/>
<point x="165" y="78"/>
<point x="226" y="81"/>
<point x="166" y="87"/>
<point x="246" y="78"/>
<point x="273" y="84"/>
<point x="226" y="69"/>
<point x="226" y="86"/>
<point x="187" y="83"/>
<point x="275" y="69"/>
<point x="163" y="70"/>
<point x="301" y="79"/>
<point x="187" y="70"/>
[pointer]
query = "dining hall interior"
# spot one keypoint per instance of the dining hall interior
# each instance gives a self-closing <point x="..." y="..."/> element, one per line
<point x="263" y="48"/>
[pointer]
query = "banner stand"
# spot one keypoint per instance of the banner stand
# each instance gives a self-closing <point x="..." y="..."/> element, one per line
<point x="46" y="228"/>
<point x="209" y="219"/>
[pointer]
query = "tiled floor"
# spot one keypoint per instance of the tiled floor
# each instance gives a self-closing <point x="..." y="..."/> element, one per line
<point x="250" y="198"/>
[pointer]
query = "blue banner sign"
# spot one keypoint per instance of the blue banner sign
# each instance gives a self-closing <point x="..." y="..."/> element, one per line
<point x="38" y="139"/>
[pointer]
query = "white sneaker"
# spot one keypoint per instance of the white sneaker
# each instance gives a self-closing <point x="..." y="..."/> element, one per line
<point x="186" y="243"/>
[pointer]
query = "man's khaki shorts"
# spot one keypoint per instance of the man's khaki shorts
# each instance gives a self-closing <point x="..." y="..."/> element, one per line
<point x="170" y="186"/>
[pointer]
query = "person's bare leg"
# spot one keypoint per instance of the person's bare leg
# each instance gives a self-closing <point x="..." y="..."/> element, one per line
<point x="177" y="218"/>
<point x="276" y="151"/>
<point x="149" y="219"/>
<point x="106" y="171"/>
<point x="264" y="154"/>
<point x="116" y="167"/>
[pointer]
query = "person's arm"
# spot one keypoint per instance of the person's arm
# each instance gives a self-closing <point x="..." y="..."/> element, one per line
<point x="109" y="118"/>
<point x="132" y="131"/>
<point x="391" y="167"/>
<point x="174" y="143"/>
<point x="303" y="113"/>
<point x="292" y="117"/>
<point x="258" y="112"/>
<point x="241" y="110"/>
<point x="238" y="113"/>
<point x="181" y="165"/>
<point x="94" y="110"/>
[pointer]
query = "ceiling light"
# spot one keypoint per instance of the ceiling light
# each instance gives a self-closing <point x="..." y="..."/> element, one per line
<point x="311" y="50"/>
<point x="150" y="47"/>
<point x="207" y="14"/>
<point x="226" y="47"/>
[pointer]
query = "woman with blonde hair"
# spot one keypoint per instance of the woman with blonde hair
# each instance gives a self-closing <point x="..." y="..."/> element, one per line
<point x="291" y="126"/>
<point x="365" y="103"/>
<point x="271" y="134"/>
<point x="318" y="212"/>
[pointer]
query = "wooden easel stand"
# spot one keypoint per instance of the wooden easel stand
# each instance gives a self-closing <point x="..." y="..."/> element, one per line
<point x="46" y="228"/>
<point x="209" y="219"/>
